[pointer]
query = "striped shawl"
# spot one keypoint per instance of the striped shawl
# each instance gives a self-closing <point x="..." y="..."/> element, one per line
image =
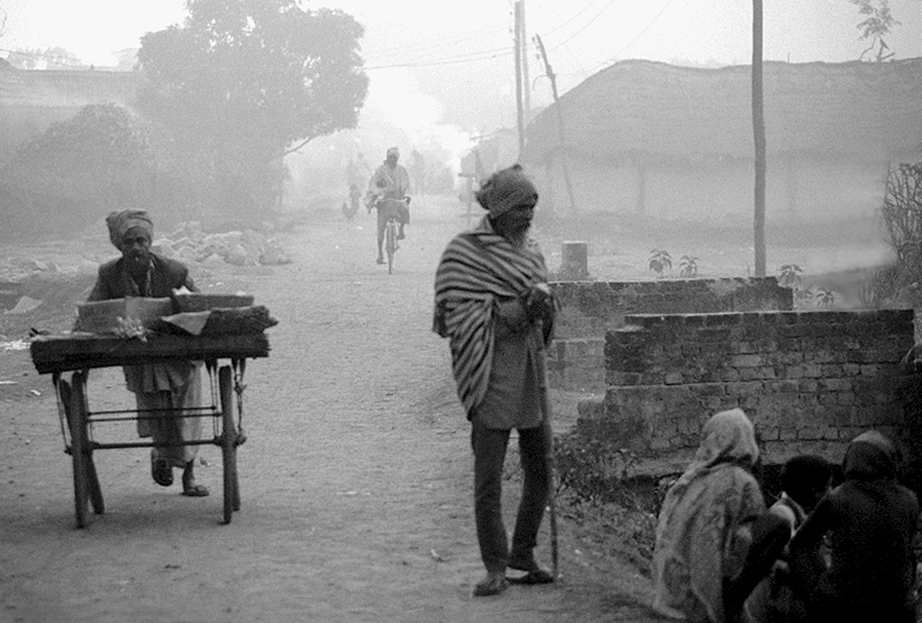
<point x="477" y="268"/>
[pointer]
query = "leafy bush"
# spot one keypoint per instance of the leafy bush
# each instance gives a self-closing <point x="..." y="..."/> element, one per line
<point x="902" y="221"/>
<point x="598" y="471"/>
<point x="598" y="487"/>
<point x="78" y="170"/>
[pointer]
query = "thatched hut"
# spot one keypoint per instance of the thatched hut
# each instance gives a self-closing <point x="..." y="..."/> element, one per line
<point x="644" y="137"/>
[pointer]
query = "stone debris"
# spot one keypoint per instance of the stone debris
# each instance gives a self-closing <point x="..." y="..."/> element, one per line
<point x="239" y="248"/>
<point x="24" y="305"/>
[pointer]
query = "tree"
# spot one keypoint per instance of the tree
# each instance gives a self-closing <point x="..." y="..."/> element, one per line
<point x="877" y="24"/>
<point x="80" y="169"/>
<point x="243" y="82"/>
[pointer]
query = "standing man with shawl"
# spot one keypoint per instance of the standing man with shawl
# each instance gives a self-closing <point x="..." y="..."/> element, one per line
<point x="162" y="390"/>
<point x="493" y="303"/>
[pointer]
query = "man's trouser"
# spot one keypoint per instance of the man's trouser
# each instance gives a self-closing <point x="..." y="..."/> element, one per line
<point x="388" y="207"/>
<point x="489" y="447"/>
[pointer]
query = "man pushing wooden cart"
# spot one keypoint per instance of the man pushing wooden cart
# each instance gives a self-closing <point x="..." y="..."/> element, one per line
<point x="146" y="315"/>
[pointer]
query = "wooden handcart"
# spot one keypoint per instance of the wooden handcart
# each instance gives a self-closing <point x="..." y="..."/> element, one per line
<point x="78" y="353"/>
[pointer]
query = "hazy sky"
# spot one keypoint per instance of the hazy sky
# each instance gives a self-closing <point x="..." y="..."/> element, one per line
<point x="451" y="63"/>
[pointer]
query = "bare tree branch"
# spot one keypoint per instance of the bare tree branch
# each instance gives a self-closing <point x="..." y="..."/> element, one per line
<point x="300" y="145"/>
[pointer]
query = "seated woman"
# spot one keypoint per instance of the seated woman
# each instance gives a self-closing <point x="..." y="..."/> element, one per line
<point x="705" y="526"/>
<point x="869" y="524"/>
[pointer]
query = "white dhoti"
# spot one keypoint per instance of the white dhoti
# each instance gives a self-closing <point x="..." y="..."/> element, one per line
<point x="166" y="393"/>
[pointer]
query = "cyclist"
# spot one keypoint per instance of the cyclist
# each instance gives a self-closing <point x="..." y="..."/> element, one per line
<point x="390" y="181"/>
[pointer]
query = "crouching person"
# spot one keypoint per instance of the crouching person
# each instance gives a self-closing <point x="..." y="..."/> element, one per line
<point x="805" y="480"/>
<point x="870" y="523"/>
<point x="704" y="530"/>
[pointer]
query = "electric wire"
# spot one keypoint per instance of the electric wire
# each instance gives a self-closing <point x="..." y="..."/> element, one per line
<point x="639" y="35"/>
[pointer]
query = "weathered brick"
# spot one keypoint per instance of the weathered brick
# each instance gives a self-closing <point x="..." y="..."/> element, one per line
<point x="746" y="361"/>
<point x="809" y="433"/>
<point x="673" y="378"/>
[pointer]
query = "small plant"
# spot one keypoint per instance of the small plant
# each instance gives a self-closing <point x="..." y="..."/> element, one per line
<point x="825" y="297"/>
<point x="803" y="297"/>
<point x="688" y="265"/>
<point x="789" y="276"/>
<point x="660" y="260"/>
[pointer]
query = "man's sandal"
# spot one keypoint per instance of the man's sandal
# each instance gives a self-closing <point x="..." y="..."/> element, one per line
<point x="538" y="576"/>
<point x="493" y="584"/>
<point x="161" y="471"/>
<point x="196" y="491"/>
<point x="534" y="573"/>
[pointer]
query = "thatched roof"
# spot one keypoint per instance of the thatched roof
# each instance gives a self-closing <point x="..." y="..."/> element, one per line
<point x="648" y="110"/>
<point x="30" y="100"/>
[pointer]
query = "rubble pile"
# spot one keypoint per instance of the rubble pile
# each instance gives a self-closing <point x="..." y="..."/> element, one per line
<point x="190" y="243"/>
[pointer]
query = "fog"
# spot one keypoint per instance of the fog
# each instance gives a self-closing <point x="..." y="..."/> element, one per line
<point x="442" y="74"/>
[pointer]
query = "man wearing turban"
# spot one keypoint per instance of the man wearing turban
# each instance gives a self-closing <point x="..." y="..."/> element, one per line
<point x="493" y="304"/>
<point x="163" y="391"/>
<point x="387" y="191"/>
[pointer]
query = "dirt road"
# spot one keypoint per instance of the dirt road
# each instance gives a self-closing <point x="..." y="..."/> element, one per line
<point x="355" y="479"/>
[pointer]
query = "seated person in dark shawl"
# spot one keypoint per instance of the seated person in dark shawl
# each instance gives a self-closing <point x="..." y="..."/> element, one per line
<point x="805" y="480"/>
<point x="162" y="390"/>
<point x="869" y="523"/>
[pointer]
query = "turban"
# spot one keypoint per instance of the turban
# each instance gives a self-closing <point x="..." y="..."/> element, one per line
<point x="506" y="189"/>
<point x="120" y="222"/>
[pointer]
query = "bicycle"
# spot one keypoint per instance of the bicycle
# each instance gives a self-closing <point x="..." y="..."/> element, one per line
<point x="392" y="208"/>
<point x="390" y="242"/>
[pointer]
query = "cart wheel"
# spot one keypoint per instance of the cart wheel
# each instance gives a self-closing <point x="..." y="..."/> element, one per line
<point x="228" y="444"/>
<point x="73" y="410"/>
<point x="99" y="507"/>
<point x="93" y="489"/>
<point x="236" y="479"/>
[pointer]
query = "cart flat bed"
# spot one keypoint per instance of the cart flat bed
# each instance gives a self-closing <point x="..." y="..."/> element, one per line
<point x="82" y="351"/>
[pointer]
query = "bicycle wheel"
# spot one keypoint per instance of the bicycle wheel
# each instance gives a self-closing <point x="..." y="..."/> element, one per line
<point x="228" y="444"/>
<point x="391" y="244"/>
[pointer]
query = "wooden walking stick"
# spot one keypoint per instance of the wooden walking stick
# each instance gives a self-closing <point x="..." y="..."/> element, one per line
<point x="548" y="433"/>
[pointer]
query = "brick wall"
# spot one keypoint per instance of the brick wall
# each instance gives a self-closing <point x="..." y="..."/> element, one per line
<point x="809" y="380"/>
<point x="588" y="309"/>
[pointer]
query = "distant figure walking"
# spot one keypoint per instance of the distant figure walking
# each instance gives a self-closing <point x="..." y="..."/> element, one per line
<point x="350" y="209"/>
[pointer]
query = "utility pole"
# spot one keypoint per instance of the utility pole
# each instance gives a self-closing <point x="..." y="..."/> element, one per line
<point x="563" y="142"/>
<point x="758" y="129"/>
<point x="526" y="81"/>
<point x="520" y="113"/>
